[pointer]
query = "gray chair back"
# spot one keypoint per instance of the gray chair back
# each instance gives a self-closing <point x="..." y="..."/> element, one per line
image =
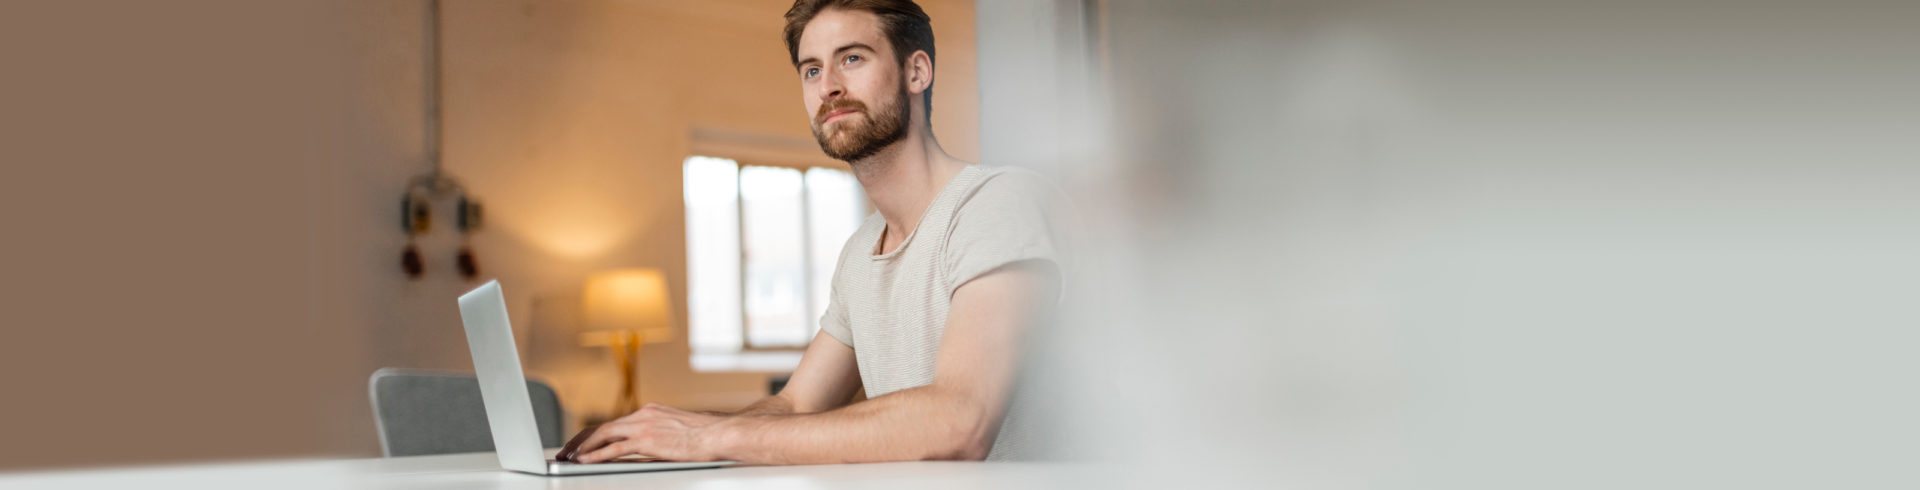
<point x="426" y="412"/>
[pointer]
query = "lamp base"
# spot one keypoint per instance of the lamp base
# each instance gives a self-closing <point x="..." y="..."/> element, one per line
<point x="626" y="349"/>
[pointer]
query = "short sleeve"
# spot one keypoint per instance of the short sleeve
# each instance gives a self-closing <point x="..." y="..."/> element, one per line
<point x="1010" y="218"/>
<point x="834" y="322"/>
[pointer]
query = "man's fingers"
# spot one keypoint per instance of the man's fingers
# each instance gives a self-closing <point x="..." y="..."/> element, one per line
<point x="605" y="435"/>
<point x="566" y="450"/>
<point x="610" y="452"/>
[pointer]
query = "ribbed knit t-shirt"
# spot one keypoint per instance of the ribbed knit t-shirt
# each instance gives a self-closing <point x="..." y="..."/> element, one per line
<point x="891" y="308"/>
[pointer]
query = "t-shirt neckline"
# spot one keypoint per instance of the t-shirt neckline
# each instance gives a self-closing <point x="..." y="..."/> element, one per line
<point x="878" y="241"/>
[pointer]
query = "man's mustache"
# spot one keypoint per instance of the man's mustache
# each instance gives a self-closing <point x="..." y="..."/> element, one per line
<point x="820" y="116"/>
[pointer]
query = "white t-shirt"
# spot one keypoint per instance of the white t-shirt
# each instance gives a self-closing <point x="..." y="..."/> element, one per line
<point x="892" y="308"/>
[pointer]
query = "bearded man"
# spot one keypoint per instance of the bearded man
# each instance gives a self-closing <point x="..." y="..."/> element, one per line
<point x="932" y="295"/>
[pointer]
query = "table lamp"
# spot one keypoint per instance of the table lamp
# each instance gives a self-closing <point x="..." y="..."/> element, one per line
<point x="624" y="308"/>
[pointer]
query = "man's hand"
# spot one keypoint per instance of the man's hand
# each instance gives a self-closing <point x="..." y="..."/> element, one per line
<point x="826" y="378"/>
<point x="657" y="431"/>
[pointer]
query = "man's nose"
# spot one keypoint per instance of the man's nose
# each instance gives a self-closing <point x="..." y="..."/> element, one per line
<point x="834" y="87"/>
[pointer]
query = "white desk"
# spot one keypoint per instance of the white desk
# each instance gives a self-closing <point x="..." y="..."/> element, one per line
<point x="481" y="470"/>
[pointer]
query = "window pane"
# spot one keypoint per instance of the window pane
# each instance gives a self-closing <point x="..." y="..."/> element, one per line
<point x="713" y="254"/>
<point x="835" y="207"/>
<point x="776" y="299"/>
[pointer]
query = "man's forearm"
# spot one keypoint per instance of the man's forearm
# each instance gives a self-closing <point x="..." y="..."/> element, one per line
<point x="924" y="423"/>
<point x="771" y="405"/>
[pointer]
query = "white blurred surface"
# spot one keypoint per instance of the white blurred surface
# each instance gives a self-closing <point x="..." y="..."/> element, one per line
<point x="481" y="470"/>
<point x="1419" y="244"/>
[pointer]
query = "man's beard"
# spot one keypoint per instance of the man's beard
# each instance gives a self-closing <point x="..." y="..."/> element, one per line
<point x="855" y="140"/>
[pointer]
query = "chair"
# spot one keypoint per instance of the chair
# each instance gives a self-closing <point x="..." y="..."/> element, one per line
<point x="425" y="412"/>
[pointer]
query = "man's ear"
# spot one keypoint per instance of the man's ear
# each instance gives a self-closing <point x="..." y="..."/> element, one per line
<point x="919" y="72"/>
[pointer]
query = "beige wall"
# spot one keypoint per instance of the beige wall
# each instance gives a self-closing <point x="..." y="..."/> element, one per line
<point x="202" y="217"/>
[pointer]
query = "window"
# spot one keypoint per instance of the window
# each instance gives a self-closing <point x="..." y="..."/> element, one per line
<point x="762" y="243"/>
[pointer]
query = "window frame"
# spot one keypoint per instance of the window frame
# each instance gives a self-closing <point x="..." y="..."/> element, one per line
<point x="742" y="160"/>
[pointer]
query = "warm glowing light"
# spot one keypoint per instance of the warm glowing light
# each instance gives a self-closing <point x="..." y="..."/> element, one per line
<point x="630" y="300"/>
<point x="579" y="225"/>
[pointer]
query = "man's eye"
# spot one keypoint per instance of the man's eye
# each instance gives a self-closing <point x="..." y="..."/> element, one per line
<point x="811" y="72"/>
<point x="852" y="58"/>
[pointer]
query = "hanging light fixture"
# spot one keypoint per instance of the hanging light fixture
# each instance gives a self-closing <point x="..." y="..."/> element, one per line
<point x="436" y="185"/>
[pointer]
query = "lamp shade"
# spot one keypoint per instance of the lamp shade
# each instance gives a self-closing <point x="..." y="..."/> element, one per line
<point x="633" y="300"/>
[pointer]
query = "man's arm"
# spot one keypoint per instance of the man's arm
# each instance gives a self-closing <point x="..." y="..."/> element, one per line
<point x="955" y="417"/>
<point x="827" y="377"/>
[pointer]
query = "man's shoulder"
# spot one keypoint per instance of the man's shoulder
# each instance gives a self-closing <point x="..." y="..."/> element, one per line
<point x="1006" y="176"/>
<point x="1000" y="189"/>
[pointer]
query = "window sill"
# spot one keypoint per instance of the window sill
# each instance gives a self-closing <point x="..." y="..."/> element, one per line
<point x="746" y="362"/>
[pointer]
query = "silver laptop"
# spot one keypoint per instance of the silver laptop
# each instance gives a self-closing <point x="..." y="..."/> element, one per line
<point x="503" y="388"/>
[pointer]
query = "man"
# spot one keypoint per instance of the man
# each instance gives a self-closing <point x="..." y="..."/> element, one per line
<point x="932" y="294"/>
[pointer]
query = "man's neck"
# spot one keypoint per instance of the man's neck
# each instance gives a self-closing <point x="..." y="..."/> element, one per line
<point x="903" y="179"/>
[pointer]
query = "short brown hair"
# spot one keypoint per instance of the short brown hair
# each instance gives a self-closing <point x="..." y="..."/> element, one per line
<point x="905" y="26"/>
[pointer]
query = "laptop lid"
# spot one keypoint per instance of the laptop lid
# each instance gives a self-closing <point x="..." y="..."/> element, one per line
<point x="503" y="386"/>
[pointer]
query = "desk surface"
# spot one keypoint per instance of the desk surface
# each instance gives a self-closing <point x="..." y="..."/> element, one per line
<point x="481" y="470"/>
